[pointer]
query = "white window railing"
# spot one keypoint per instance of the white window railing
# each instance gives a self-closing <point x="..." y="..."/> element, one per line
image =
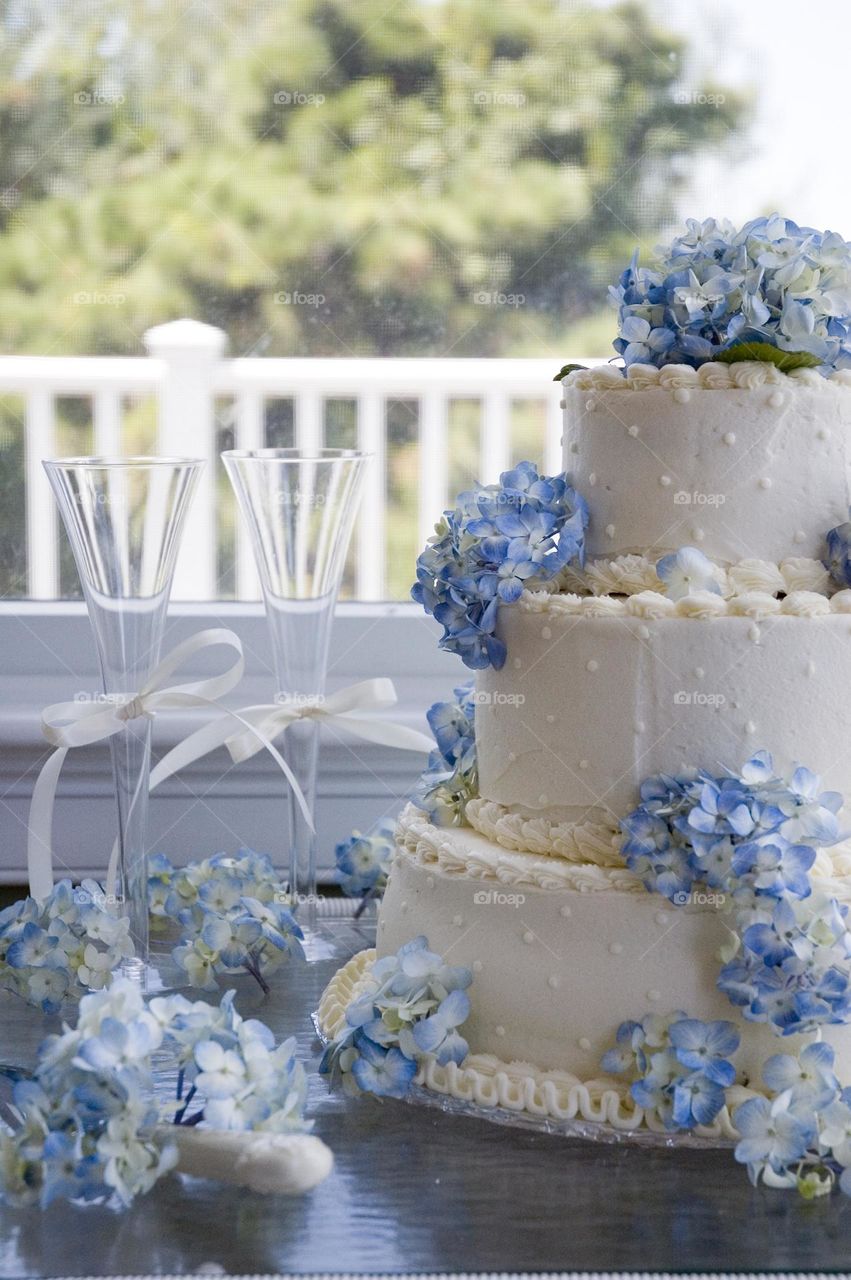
<point x="188" y="375"/>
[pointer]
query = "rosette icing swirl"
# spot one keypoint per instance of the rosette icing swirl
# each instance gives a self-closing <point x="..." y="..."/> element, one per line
<point x="841" y="602"/>
<point x="702" y="604"/>
<point x="806" y="604"/>
<point x="603" y="606"/>
<point x="801" y="574"/>
<point x="675" y="376"/>
<point x="624" y="575"/>
<point x="753" y="604"/>
<point x="756" y="575"/>
<point x="651" y="604"/>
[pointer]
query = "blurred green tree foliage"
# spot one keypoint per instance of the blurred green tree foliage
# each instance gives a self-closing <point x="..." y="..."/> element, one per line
<point x="342" y="177"/>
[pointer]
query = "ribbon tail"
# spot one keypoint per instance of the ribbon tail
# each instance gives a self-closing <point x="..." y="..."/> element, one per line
<point x="216" y="734"/>
<point x="386" y="733"/>
<point x="40" y="826"/>
<point x="265" y="723"/>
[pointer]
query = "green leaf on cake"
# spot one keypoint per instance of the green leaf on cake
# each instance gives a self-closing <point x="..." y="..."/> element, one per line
<point x="566" y="369"/>
<point x="786" y="361"/>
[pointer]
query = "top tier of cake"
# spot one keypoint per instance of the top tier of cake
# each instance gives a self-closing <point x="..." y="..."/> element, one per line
<point x="740" y="460"/>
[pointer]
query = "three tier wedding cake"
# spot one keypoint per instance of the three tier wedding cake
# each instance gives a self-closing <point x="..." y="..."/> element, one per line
<point x="627" y="856"/>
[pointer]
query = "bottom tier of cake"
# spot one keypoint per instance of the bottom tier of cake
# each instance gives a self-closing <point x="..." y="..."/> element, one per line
<point x="561" y="954"/>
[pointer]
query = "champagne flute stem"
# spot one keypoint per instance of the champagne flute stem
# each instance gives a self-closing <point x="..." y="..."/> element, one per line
<point x="131" y="770"/>
<point x="302" y="753"/>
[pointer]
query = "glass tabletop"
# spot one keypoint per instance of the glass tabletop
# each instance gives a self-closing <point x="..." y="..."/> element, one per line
<point x="418" y="1190"/>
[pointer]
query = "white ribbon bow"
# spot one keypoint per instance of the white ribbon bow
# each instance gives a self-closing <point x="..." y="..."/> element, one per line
<point x="76" y="724"/>
<point x="244" y="733"/>
<point x="343" y="709"/>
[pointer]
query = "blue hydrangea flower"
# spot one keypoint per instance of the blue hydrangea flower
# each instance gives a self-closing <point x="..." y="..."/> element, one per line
<point x="771" y="1134"/>
<point x="452" y="777"/>
<point x="59" y="947"/>
<point x="752" y="837"/>
<point x="412" y="1009"/>
<point x="233" y="913"/>
<point x="498" y="540"/>
<point x="678" y="1067"/>
<point x="438" y="1032"/>
<point x="704" y="1046"/>
<point x="363" y="861"/>
<point x="809" y="1077"/>
<point x="385" y="1072"/>
<point x="839" y="554"/>
<point x="686" y="571"/>
<point x="774" y="867"/>
<point x="88" y="1126"/>
<point x="715" y="286"/>
<point x="697" y="1099"/>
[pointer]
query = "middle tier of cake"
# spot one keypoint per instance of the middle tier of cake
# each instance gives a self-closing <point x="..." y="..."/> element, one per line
<point x="588" y="706"/>
<point x="562" y="953"/>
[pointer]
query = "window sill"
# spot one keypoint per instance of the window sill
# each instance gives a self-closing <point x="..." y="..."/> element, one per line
<point x="213" y="804"/>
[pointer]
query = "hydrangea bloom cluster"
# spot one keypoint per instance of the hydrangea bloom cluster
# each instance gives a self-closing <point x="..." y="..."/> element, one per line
<point x="753" y="838"/>
<point x="363" y="861"/>
<point x="233" y="912"/>
<point x="771" y="285"/>
<point x="679" y="1068"/>
<point x="87" y="1125"/>
<point x="838" y="560"/>
<point x="67" y="944"/>
<point x="799" y="1136"/>
<point x="499" y="540"/>
<point x="452" y="777"/>
<point x="413" y="1006"/>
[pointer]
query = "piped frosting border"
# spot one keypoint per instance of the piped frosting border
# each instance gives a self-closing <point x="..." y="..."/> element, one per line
<point x="756" y="605"/>
<point x="453" y="851"/>
<point x="485" y="1081"/>
<point x="630" y="574"/>
<point x="747" y="375"/>
<point x="594" y="842"/>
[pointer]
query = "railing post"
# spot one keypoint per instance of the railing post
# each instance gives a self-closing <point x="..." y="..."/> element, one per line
<point x="372" y="412"/>
<point x="189" y="351"/>
<point x="42" y="550"/>
<point x="495" y="438"/>
<point x="434" y="461"/>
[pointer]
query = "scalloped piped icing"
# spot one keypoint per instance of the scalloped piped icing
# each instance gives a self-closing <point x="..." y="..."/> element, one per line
<point x="700" y="604"/>
<point x="712" y="376"/>
<point x="486" y="1081"/>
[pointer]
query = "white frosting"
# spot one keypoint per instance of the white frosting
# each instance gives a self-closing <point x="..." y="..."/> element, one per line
<point x="700" y="604"/>
<point x="713" y="376"/>
<point x="750" y="473"/>
<point x="487" y="1081"/>
<point x="556" y="969"/>
<point x="595" y="842"/>
<point x="478" y="858"/>
<point x="587" y="707"/>
<point x="632" y="574"/>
